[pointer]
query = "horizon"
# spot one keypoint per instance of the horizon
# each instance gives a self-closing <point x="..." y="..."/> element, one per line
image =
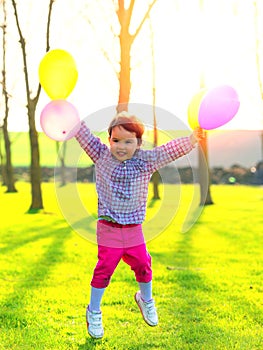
<point x="225" y="148"/>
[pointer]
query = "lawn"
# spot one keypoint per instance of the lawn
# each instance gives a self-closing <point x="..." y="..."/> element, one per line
<point x="207" y="280"/>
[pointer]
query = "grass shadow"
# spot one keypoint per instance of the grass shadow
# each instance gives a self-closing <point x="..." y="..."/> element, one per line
<point x="153" y="202"/>
<point x="27" y="237"/>
<point x="12" y="306"/>
<point x="91" y="344"/>
<point x="191" y="292"/>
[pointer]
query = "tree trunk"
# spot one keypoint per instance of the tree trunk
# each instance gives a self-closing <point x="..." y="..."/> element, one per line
<point x="204" y="173"/>
<point x="124" y="14"/>
<point x="156" y="176"/>
<point x="61" y="156"/>
<point x="8" y="168"/>
<point x="35" y="169"/>
<point x="8" y="174"/>
<point x="3" y="170"/>
<point x="125" y="59"/>
<point x="156" y="180"/>
<point x="125" y="71"/>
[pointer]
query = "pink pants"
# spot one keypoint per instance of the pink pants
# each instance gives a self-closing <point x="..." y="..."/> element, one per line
<point x="136" y="256"/>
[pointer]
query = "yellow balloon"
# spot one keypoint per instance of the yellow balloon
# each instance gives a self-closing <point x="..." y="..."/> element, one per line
<point x="193" y="109"/>
<point x="58" y="74"/>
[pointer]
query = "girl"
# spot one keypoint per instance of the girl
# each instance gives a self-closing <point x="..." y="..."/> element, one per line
<point x="123" y="171"/>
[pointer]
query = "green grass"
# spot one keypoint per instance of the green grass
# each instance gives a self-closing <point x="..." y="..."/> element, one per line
<point x="207" y="281"/>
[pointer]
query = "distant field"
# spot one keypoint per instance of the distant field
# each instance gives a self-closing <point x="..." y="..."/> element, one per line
<point x="48" y="148"/>
<point x="225" y="148"/>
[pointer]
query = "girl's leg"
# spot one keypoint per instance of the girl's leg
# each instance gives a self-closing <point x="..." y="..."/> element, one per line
<point x="140" y="262"/>
<point x="108" y="259"/>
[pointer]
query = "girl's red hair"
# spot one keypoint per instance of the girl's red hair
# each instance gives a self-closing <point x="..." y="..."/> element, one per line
<point x="129" y="123"/>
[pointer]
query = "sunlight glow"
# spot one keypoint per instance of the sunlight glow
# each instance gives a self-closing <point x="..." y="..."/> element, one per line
<point x="218" y="42"/>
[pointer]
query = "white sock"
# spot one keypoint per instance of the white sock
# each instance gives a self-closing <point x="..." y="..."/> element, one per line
<point x="95" y="298"/>
<point x="146" y="291"/>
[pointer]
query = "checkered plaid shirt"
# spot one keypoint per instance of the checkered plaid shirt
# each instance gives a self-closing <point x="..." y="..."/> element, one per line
<point x="122" y="187"/>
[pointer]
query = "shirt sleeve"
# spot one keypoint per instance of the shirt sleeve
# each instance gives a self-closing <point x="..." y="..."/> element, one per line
<point x="169" y="152"/>
<point x="91" y="144"/>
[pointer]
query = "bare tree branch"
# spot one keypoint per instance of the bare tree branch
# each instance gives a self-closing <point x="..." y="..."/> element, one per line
<point x="51" y="2"/>
<point x="23" y="46"/>
<point x="146" y="15"/>
<point x="104" y="52"/>
<point x="120" y="10"/>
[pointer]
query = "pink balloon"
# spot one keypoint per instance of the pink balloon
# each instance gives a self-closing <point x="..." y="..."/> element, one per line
<point x="218" y="107"/>
<point x="60" y="120"/>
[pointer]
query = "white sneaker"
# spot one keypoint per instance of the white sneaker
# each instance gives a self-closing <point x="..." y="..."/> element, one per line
<point x="94" y="324"/>
<point x="148" y="310"/>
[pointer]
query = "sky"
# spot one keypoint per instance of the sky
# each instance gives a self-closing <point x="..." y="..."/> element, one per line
<point x="185" y="41"/>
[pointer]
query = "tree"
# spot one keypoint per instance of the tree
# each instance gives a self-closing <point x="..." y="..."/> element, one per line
<point x="35" y="169"/>
<point x="203" y="162"/>
<point x="124" y="13"/>
<point x="7" y="171"/>
<point x="126" y="40"/>
<point x="156" y="175"/>
<point x="258" y="58"/>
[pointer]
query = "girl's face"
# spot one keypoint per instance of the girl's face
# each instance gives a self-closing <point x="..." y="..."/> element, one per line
<point x="123" y="143"/>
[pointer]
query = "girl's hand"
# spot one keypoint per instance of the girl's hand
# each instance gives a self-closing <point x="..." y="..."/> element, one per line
<point x="197" y="135"/>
